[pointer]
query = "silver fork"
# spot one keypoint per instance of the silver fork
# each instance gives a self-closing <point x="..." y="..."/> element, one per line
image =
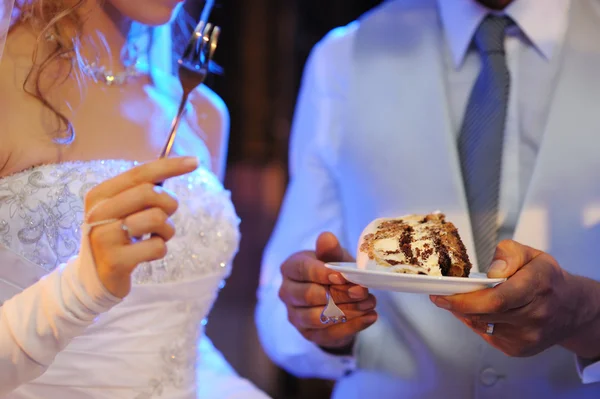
<point x="332" y="314"/>
<point x="193" y="69"/>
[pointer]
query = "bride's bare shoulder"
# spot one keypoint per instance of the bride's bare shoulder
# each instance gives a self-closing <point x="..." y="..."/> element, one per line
<point x="209" y="106"/>
<point x="211" y="116"/>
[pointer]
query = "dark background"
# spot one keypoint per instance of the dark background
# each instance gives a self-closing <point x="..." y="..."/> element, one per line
<point x="263" y="48"/>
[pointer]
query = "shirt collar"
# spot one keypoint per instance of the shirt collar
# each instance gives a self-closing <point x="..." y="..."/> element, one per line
<point x="544" y="23"/>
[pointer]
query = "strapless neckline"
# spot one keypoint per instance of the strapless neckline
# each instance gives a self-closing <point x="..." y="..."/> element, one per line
<point x="76" y="163"/>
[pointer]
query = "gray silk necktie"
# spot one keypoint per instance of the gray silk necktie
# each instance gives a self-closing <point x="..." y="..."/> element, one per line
<point x="481" y="137"/>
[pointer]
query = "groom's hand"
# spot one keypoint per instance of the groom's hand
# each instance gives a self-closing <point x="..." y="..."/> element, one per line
<point x="305" y="277"/>
<point x="540" y="305"/>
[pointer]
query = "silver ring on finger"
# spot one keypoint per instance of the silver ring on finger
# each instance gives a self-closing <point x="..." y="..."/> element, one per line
<point x="489" y="329"/>
<point x="127" y="231"/>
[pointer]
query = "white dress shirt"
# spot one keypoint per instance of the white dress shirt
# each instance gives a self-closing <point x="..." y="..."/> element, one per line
<point x="531" y="44"/>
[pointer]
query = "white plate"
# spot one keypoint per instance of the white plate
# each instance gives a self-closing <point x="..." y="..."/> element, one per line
<point x="413" y="283"/>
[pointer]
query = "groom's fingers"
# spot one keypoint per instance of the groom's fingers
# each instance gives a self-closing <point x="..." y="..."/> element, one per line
<point x="305" y="280"/>
<point x="310" y="318"/>
<point x="340" y="334"/>
<point x="309" y="294"/>
<point x="304" y="267"/>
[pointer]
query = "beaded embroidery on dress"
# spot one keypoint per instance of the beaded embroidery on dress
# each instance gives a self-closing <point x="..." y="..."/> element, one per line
<point x="147" y="346"/>
<point x="41" y="211"/>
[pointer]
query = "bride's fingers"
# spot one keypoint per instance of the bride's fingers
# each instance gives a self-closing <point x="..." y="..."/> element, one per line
<point x="108" y="204"/>
<point x="133" y="200"/>
<point x="153" y="248"/>
<point x="150" y="221"/>
<point x="151" y="172"/>
<point x="105" y="237"/>
<point x="120" y="233"/>
<point x="125" y="259"/>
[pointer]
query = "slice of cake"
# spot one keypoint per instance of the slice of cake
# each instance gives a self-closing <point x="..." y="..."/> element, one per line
<point x="414" y="244"/>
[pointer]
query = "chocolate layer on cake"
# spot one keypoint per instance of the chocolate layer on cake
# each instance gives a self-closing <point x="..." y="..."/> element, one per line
<point x="415" y="244"/>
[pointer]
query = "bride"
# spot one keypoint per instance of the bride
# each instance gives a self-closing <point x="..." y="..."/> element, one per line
<point x="89" y="310"/>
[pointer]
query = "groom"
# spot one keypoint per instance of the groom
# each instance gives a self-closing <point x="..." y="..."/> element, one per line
<point x="488" y="111"/>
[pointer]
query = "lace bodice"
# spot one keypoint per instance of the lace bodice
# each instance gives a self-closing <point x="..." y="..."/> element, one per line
<point x="146" y="346"/>
<point x="41" y="211"/>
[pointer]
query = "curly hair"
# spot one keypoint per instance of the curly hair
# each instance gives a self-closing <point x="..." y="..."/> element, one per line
<point x="61" y="20"/>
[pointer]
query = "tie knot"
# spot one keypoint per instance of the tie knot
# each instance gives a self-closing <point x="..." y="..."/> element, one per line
<point x="489" y="37"/>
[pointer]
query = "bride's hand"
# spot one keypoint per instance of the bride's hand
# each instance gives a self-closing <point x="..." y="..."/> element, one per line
<point x="132" y="206"/>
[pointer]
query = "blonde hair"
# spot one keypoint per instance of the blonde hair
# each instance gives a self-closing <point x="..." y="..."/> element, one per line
<point x="60" y="20"/>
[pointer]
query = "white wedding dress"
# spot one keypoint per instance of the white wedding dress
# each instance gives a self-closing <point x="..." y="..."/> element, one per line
<point x="71" y="335"/>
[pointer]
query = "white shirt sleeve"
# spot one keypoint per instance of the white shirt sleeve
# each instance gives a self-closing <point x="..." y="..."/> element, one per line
<point x="311" y="206"/>
<point x="589" y="371"/>
<point x="39" y="322"/>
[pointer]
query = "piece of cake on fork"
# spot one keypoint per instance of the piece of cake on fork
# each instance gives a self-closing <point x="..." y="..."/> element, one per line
<point x="414" y="244"/>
